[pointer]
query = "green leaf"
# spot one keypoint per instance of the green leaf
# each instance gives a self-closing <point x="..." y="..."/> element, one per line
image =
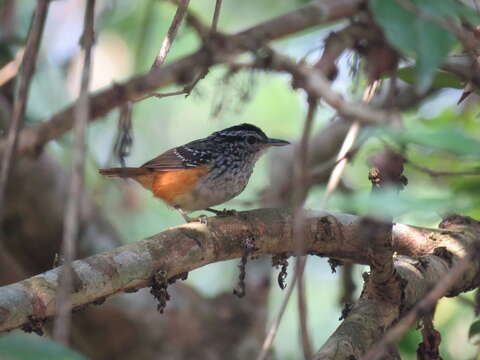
<point x="397" y="24"/>
<point x="415" y="36"/>
<point x="440" y="8"/>
<point x="469" y="14"/>
<point x="441" y="79"/>
<point x="433" y="46"/>
<point x="474" y="332"/>
<point x="17" y="346"/>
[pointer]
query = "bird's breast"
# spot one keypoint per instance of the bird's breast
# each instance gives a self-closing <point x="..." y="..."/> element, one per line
<point x="217" y="187"/>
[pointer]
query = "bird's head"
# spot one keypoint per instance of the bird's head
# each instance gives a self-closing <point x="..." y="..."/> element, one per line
<point x="246" y="137"/>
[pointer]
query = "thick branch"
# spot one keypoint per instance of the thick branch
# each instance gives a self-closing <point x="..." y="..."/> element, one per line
<point x="190" y="246"/>
<point x="218" y="50"/>
<point x="371" y="315"/>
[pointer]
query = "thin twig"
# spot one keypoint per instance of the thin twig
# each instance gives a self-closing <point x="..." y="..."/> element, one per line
<point x="171" y="33"/>
<point x="303" y="183"/>
<point x="318" y="173"/>
<point x="21" y="96"/>
<point x="216" y="16"/>
<point x="347" y="145"/>
<point x="267" y="344"/>
<point x="426" y="304"/>
<point x="193" y="21"/>
<point x="182" y="7"/>
<point x="179" y="15"/>
<point x="71" y="223"/>
<point x="165" y="48"/>
<point x="173" y="93"/>
<point x="10" y="70"/>
<point x="187" y="90"/>
<point x="301" y="260"/>
<point x="339" y="168"/>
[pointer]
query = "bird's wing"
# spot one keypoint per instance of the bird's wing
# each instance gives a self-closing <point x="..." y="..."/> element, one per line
<point x="183" y="157"/>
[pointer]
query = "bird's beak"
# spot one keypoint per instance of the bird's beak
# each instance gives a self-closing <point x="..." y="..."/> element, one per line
<point x="277" y="142"/>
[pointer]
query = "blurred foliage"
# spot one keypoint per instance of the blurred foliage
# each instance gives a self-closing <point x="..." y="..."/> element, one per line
<point x="20" y="346"/>
<point x="441" y="79"/>
<point x="414" y="28"/>
<point x="438" y="135"/>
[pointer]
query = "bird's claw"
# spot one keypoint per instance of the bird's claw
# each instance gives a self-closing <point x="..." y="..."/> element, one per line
<point x="202" y="219"/>
<point x="224" y="212"/>
<point x="227" y="212"/>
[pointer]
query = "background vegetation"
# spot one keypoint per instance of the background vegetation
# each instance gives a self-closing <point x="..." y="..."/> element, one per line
<point x="437" y="134"/>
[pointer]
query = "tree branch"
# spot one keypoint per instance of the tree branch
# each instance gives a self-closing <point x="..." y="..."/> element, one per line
<point x="317" y="85"/>
<point x="29" y="59"/>
<point x="76" y="191"/>
<point x="301" y="175"/>
<point x="219" y="50"/>
<point x="194" y="22"/>
<point x="442" y="287"/>
<point x="372" y="314"/>
<point x="191" y="246"/>
<point x="216" y="15"/>
<point x="171" y="34"/>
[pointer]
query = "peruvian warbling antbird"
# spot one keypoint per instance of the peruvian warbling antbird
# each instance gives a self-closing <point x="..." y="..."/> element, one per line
<point x="204" y="172"/>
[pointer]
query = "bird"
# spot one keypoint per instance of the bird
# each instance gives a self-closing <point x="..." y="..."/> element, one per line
<point x="202" y="173"/>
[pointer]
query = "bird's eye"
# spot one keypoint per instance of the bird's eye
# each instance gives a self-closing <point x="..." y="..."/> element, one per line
<point x="251" y="140"/>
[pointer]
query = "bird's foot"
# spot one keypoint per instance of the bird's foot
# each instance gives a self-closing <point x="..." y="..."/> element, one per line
<point x="224" y="212"/>
<point x="202" y="219"/>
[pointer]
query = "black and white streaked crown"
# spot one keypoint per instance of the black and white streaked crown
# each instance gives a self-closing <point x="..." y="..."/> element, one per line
<point x="240" y="131"/>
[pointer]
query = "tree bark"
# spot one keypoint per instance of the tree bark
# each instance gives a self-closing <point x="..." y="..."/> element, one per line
<point x="190" y="246"/>
<point x="374" y="313"/>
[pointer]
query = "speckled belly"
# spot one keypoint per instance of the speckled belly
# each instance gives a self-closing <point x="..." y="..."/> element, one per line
<point x="212" y="191"/>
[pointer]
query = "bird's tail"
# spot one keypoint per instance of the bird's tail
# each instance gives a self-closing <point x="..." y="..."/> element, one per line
<point x="126" y="172"/>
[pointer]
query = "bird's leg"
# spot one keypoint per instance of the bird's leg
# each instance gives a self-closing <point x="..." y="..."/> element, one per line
<point x="184" y="214"/>
<point x="223" y="213"/>
<point x="201" y="219"/>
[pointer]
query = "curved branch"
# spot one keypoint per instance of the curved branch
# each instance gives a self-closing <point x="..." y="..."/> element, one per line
<point x="374" y="313"/>
<point x="191" y="246"/>
<point x="218" y="49"/>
